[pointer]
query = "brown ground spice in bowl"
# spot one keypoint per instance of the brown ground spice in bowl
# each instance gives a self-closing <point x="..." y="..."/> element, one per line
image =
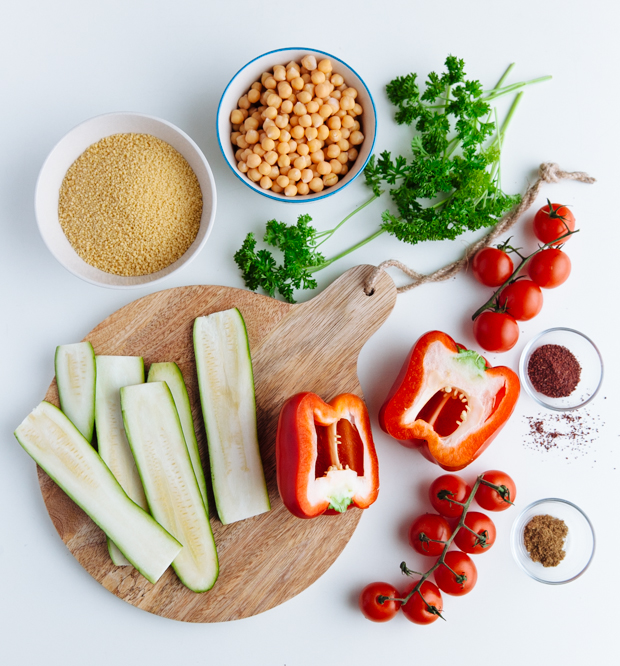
<point x="130" y="205"/>
<point x="544" y="540"/>
<point x="554" y="371"/>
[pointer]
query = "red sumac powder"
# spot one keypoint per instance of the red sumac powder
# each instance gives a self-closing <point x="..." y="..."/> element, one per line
<point x="554" y="371"/>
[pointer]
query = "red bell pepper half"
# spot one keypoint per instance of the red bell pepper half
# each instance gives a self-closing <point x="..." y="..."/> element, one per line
<point x="325" y="455"/>
<point x="448" y="401"/>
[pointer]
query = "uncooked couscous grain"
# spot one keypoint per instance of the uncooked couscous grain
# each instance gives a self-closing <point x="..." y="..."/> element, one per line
<point x="130" y="205"/>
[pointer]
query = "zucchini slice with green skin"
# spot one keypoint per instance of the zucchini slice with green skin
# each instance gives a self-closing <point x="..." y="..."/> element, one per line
<point x="75" y="377"/>
<point x="59" y="448"/>
<point x="226" y="383"/>
<point x="156" y="438"/>
<point x="171" y="374"/>
<point x="114" y="372"/>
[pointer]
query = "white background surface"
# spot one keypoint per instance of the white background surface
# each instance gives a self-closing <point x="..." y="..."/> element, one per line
<point x="63" y="62"/>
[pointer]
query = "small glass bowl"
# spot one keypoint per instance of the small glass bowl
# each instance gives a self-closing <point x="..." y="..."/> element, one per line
<point x="589" y="359"/>
<point x="579" y="544"/>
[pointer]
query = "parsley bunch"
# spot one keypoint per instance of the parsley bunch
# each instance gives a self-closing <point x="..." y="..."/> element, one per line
<point x="450" y="184"/>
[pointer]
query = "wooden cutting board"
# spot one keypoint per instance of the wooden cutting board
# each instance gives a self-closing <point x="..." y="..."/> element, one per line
<point x="311" y="346"/>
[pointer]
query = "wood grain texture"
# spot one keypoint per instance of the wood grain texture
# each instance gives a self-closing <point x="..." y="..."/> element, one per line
<point x="311" y="346"/>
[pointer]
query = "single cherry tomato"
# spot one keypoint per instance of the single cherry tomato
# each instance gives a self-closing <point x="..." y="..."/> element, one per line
<point x="429" y="526"/>
<point x="492" y="267"/>
<point x="549" y="268"/>
<point x="376" y="609"/>
<point x="417" y="609"/>
<point x="445" y="491"/>
<point x="492" y="500"/>
<point x="553" y="221"/>
<point x="484" y="528"/>
<point x="460" y="564"/>
<point x="523" y="299"/>
<point x="496" y="331"/>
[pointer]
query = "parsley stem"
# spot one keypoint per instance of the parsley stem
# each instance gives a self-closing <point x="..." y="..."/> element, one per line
<point x="328" y="234"/>
<point x="498" y="92"/>
<point x="314" y="269"/>
<point x="504" y="76"/>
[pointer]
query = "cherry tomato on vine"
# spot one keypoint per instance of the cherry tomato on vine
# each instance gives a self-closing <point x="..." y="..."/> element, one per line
<point x="371" y="606"/>
<point x="462" y="565"/>
<point x="492" y="267"/>
<point x="444" y="491"/>
<point x="416" y="609"/>
<point x="553" y="221"/>
<point x="484" y="528"/>
<point x="496" y="331"/>
<point x="489" y="498"/>
<point x="523" y="299"/>
<point x="549" y="268"/>
<point x="431" y="526"/>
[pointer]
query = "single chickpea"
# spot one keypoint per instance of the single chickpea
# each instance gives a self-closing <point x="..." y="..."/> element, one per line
<point x="353" y="153"/>
<point x="324" y="90"/>
<point x="309" y="62"/>
<point x="314" y="145"/>
<point x="273" y="132"/>
<point x="298" y="83"/>
<point x="316" y="184"/>
<point x="305" y="75"/>
<point x="297" y="132"/>
<point x="265" y="182"/>
<point x="264" y="168"/>
<point x="236" y="117"/>
<point x="264" y="76"/>
<point x="347" y="122"/>
<point x="270" y="83"/>
<point x="309" y="88"/>
<point x="294" y="175"/>
<point x="302" y="188"/>
<point x="277" y="189"/>
<point x="292" y="73"/>
<point x="345" y="170"/>
<point x="300" y="163"/>
<point x="330" y="179"/>
<point x="281" y="121"/>
<point x="284" y="89"/>
<point x="257" y="85"/>
<point x="350" y="92"/>
<point x="336" y="166"/>
<point x="245" y="154"/>
<point x="335" y="135"/>
<point x="341" y="113"/>
<point x="356" y="138"/>
<point x="290" y="190"/>
<point x="251" y="136"/>
<point x="305" y="120"/>
<point x="285" y="135"/>
<point x="356" y="126"/>
<point x="343" y="158"/>
<point x="334" y="123"/>
<point x="347" y="103"/>
<point x="333" y="151"/>
<point x="306" y="175"/>
<point x="257" y="115"/>
<point x="312" y="106"/>
<point x="287" y="106"/>
<point x="345" y="133"/>
<point x="293" y="146"/>
<point x="323" y="133"/>
<point x="242" y="166"/>
<point x="244" y="102"/>
<point x="254" y="175"/>
<point x="253" y="95"/>
<point x="282" y="181"/>
<point x="241" y="142"/>
<point x="253" y="161"/>
<point x="311" y="133"/>
<point x="317" y="156"/>
<point x="337" y="95"/>
<point x="324" y="168"/>
<point x="274" y="100"/>
<point x="270" y="113"/>
<point x="250" y="124"/>
<point x="334" y="103"/>
<point x="325" y="110"/>
<point x="304" y="97"/>
<point x="274" y="173"/>
<point x="283" y="148"/>
<point x="336" y="80"/>
<point x="317" y="120"/>
<point x="233" y="137"/>
<point x="317" y="76"/>
<point x="284" y="161"/>
<point x="279" y="73"/>
<point x="239" y="154"/>
<point x="325" y="66"/>
<point x="299" y="109"/>
<point x="344" y="144"/>
<point x="358" y="109"/>
<point x="258" y="150"/>
<point x="284" y="170"/>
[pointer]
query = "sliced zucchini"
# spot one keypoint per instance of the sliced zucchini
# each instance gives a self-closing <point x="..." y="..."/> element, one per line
<point x="114" y="372"/>
<point x="75" y="377"/>
<point x="170" y="373"/>
<point x="59" y="448"/>
<point x="226" y="385"/>
<point x="156" y="438"/>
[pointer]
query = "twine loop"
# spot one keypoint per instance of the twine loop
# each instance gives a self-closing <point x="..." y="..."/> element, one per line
<point x="548" y="172"/>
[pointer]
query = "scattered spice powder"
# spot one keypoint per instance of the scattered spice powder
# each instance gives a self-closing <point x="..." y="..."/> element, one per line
<point x="130" y="204"/>
<point x="544" y="540"/>
<point x="554" y="371"/>
<point x="564" y="433"/>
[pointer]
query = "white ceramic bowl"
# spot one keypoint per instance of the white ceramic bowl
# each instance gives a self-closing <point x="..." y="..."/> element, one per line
<point x="584" y="350"/>
<point x="579" y="545"/>
<point x="70" y="147"/>
<point x="247" y="75"/>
